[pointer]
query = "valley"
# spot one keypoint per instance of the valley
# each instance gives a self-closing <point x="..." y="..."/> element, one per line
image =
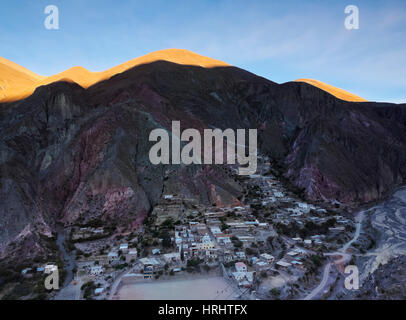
<point x="79" y="192"/>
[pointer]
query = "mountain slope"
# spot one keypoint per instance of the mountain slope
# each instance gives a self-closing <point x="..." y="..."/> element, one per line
<point x="72" y="155"/>
<point x="337" y="92"/>
<point x="21" y="82"/>
<point x="14" y="79"/>
<point x="17" y="82"/>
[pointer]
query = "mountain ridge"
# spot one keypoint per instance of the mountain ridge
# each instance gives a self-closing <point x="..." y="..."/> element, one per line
<point x="20" y="87"/>
<point x="335" y="91"/>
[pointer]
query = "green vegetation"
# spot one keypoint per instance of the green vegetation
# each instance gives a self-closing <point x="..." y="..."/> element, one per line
<point x="88" y="289"/>
<point x="275" y="292"/>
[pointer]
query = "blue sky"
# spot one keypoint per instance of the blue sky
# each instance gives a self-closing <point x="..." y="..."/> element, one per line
<point x="280" y="40"/>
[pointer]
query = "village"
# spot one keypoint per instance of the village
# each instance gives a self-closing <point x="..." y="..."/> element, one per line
<point x="271" y="242"/>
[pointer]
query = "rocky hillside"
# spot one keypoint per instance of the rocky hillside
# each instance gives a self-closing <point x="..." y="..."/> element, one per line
<point x="72" y="155"/>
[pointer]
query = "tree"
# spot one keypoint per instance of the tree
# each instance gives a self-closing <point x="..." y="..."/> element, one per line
<point x="275" y="292"/>
<point x="182" y="255"/>
<point x="166" y="239"/>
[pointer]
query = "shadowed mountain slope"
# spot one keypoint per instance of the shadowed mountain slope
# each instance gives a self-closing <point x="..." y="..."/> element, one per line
<point x="72" y="155"/>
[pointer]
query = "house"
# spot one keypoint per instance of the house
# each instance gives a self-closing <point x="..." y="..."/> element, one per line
<point x="283" y="263"/>
<point x="250" y="277"/>
<point x="201" y="229"/>
<point x="150" y="262"/>
<point x="124" y="247"/>
<point x="214" y="214"/>
<point x="278" y="194"/>
<point x="98" y="230"/>
<point x="156" y="251"/>
<point x="131" y="255"/>
<point x="239" y="276"/>
<point x="206" y="243"/>
<point x="292" y="253"/>
<point x="246" y="238"/>
<point x="305" y="207"/>
<point x="215" y="230"/>
<point x="98" y="291"/>
<point x="251" y="223"/>
<point x="206" y="238"/>
<point x="261" y="265"/>
<point x="228" y="257"/>
<point x="244" y="279"/>
<point x="336" y="229"/>
<point x="96" y="270"/>
<point x="267" y="257"/>
<point x="238" y="226"/>
<point x="301" y="251"/>
<point x="112" y="257"/>
<point x="212" y="253"/>
<point x="223" y="239"/>
<point x="241" y="267"/>
<point x="308" y="242"/>
<point x="241" y="255"/>
<point x="49" y="268"/>
<point x="171" y="257"/>
<point x="26" y="271"/>
<point x="148" y="272"/>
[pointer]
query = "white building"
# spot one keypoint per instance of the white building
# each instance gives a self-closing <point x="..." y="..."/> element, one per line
<point x="131" y="255"/>
<point x="112" y="256"/>
<point x="96" y="270"/>
<point x="124" y="247"/>
<point x="308" y="242"/>
<point x="49" y="268"/>
<point x="241" y="267"/>
<point x="241" y="254"/>
<point x="267" y="257"/>
<point x="169" y="257"/>
<point x="206" y="243"/>
<point x="156" y="251"/>
<point x="283" y="264"/>
<point x="215" y="230"/>
<point x="98" y="291"/>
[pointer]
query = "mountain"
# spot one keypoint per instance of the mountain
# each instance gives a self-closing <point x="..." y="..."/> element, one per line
<point x="18" y="82"/>
<point x="337" y="92"/>
<point x="14" y="78"/>
<point x="73" y="155"/>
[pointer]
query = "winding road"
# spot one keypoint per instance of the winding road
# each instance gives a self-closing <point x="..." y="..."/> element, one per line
<point x="345" y="258"/>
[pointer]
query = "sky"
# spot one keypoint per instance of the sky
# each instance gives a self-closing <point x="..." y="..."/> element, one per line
<point x="279" y="40"/>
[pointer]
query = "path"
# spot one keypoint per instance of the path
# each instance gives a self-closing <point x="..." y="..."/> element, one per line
<point x="345" y="258"/>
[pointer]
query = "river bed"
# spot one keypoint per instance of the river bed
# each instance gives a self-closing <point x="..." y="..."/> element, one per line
<point x="388" y="221"/>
